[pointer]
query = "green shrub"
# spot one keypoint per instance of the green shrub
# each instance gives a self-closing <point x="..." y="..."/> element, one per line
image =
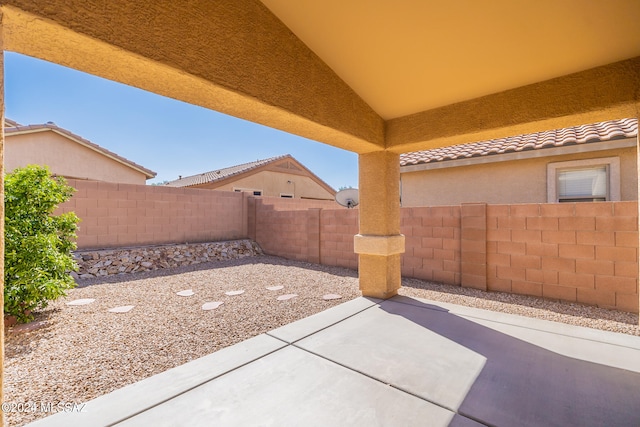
<point x="38" y="245"/>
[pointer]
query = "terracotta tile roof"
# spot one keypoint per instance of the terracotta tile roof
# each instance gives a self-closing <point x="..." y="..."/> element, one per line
<point x="220" y="174"/>
<point x="585" y="134"/>
<point x="50" y="126"/>
<point x="10" y="123"/>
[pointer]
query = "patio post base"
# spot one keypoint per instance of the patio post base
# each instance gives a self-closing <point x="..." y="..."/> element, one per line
<point x="379" y="276"/>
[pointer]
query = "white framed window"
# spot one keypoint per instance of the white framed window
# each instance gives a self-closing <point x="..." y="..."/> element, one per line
<point x="588" y="180"/>
<point x="286" y="195"/>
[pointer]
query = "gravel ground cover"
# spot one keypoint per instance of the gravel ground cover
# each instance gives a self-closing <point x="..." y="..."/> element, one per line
<point x="523" y="305"/>
<point x="84" y="351"/>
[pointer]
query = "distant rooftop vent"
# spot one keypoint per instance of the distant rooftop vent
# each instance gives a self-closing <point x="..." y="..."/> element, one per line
<point x="51" y="123"/>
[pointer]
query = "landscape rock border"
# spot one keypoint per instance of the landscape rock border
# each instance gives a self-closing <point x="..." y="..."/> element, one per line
<point x="107" y="262"/>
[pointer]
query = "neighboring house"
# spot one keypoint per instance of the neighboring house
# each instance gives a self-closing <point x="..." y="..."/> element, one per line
<point x="584" y="163"/>
<point x="67" y="154"/>
<point x="281" y="176"/>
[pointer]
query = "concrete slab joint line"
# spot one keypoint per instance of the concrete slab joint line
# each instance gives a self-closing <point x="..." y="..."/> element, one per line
<point x="378" y="245"/>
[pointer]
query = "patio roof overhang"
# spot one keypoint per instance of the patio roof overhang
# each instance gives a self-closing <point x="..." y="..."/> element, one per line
<point x="354" y="75"/>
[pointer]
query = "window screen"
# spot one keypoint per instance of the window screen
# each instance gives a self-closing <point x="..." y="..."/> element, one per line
<point x="583" y="184"/>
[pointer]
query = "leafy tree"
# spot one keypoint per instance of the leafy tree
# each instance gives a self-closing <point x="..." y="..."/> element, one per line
<point x="38" y="244"/>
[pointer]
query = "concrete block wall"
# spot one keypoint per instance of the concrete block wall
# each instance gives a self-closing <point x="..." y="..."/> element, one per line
<point x="282" y="233"/>
<point x="302" y="230"/>
<point x="432" y="243"/>
<point x="582" y="252"/>
<point x="473" y="245"/>
<point x="337" y="228"/>
<point x="116" y="215"/>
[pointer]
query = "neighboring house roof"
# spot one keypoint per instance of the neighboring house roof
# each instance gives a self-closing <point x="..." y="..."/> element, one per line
<point x="220" y="174"/>
<point x="234" y="171"/>
<point x="584" y="134"/>
<point x="10" y="123"/>
<point x="14" y="128"/>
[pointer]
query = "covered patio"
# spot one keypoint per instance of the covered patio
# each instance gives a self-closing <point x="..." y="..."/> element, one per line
<point x="378" y="79"/>
<point x="400" y="362"/>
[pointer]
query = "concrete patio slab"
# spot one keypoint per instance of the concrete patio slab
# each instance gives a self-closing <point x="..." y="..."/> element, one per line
<point x="527" y="322"/>
<point x="471" y="367"/>
<point x="138" y="397"/>
<point x="312" y="324"/>
<point x="398" y="362"/>
<point x="388" y="346"/>
<point x="294" y="388"/>
<point x="592" y="345"/>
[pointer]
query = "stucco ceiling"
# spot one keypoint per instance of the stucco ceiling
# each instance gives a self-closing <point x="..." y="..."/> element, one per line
<point x="362" y="75"/>
<point x="408" y="56"/>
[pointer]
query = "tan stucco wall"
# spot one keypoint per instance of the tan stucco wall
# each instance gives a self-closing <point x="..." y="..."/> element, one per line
<point x="65" y="157"/>
<point x="274" y="183"/>
<point x="518" y="181"/>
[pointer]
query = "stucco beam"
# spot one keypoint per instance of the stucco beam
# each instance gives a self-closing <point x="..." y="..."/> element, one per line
<point x="604" y="93"/>
<point x="235" y="57"/>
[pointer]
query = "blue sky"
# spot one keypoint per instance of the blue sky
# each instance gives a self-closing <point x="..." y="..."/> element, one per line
<point x="169" y="137"/>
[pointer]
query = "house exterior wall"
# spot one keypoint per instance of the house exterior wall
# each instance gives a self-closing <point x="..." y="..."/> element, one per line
<point x="280" y="204"/>
<point x="65" y="157"/>
<point x="273" y="184"/>
<point x="516" y="181"/>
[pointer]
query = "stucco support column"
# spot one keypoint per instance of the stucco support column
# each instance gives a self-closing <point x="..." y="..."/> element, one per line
<point x="379" y="242"/>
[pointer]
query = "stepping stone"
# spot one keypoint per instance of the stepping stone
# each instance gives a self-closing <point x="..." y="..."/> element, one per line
<point x="275" y="288"/>
<point x="28" y="327"/>
<point x="83" y="301"/>
<point x="185" y="293"/>
<point x="121" y="309"/>
<point x="231" y="293"/>
<point x="211" y="305"/>
<point x="286" y="297"/>
<point x="331" y="296"/>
